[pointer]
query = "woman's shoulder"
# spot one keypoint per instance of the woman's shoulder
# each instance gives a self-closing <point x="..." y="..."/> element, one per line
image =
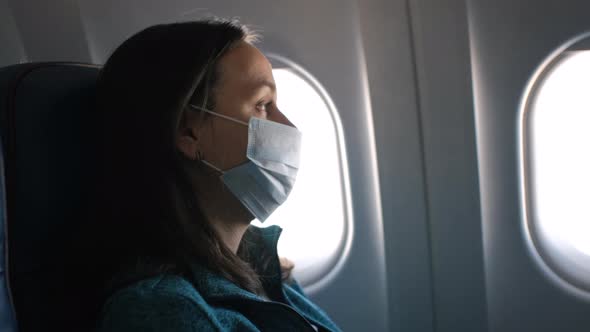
<point x="161" y="285"/>
<point x="160" y="303"/>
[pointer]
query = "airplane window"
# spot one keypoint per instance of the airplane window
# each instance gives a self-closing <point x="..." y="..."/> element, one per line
<point x="556" y="182"/>
<point x="314" y="217"/>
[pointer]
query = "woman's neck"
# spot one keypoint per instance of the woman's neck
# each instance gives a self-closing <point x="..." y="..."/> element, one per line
<point x="230" y="233"/>
<point x="228" y="217"/>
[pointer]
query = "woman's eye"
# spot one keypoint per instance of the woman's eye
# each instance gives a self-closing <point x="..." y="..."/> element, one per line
<point x="263" y="107"/>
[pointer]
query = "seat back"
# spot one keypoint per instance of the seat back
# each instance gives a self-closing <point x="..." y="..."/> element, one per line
<point x="45" y="123"/>
<point x="7" y="319"/>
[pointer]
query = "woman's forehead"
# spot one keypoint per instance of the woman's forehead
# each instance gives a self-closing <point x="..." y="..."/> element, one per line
<point x="246" y="66"/>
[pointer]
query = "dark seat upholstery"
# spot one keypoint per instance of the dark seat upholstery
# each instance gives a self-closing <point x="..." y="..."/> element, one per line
<point x="7" y="319"/>
<point x="45" y="122"/>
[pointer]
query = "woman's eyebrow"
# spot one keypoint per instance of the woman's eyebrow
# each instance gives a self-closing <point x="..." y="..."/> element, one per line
<point x="265" y="83"/>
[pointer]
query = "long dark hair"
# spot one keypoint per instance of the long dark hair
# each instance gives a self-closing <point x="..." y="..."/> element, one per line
<point x="145" y="218"/>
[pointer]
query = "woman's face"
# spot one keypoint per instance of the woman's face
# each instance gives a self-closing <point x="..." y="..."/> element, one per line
<point x="245" y="88"/>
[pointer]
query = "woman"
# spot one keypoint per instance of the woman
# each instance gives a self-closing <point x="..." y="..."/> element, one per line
<point x="193" y="148"/>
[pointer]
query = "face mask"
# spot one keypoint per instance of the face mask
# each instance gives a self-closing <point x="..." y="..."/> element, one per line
<point x="264" y="182"/>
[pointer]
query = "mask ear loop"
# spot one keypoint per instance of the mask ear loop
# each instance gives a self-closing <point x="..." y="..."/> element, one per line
<point x="219" y="115"/>
<point x="199" y="156"/>
<point x="211" y="165"/>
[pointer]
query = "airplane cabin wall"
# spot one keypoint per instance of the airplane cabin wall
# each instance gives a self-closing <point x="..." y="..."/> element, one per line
<point x="387" y="41"/>
<point x="443" y="71"/>
<point x="417" y="55"/>
<point x="509" y="40"/>
<point x="12" y="48"/>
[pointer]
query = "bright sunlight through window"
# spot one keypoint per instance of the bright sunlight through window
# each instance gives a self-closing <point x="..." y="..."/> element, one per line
<point x="560" y="139"/>
<point x="313" y="217"/>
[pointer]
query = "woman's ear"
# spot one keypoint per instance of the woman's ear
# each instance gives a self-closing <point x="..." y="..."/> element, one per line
<point x="187" y="143"/>
<point x="187" y="137"/>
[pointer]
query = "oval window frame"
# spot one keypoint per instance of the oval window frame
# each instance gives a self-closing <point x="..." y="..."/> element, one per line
<point x="567" y="268"/>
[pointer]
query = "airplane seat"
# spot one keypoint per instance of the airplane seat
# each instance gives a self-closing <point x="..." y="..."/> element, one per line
<point x="45" y="121"/>
<point x="7" y="319"/>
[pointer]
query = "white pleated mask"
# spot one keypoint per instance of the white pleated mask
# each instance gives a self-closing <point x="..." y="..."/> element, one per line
<point x="264" y="182"/>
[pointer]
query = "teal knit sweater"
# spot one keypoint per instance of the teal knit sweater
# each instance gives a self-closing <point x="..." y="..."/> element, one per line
<point x="170" y="303"/>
